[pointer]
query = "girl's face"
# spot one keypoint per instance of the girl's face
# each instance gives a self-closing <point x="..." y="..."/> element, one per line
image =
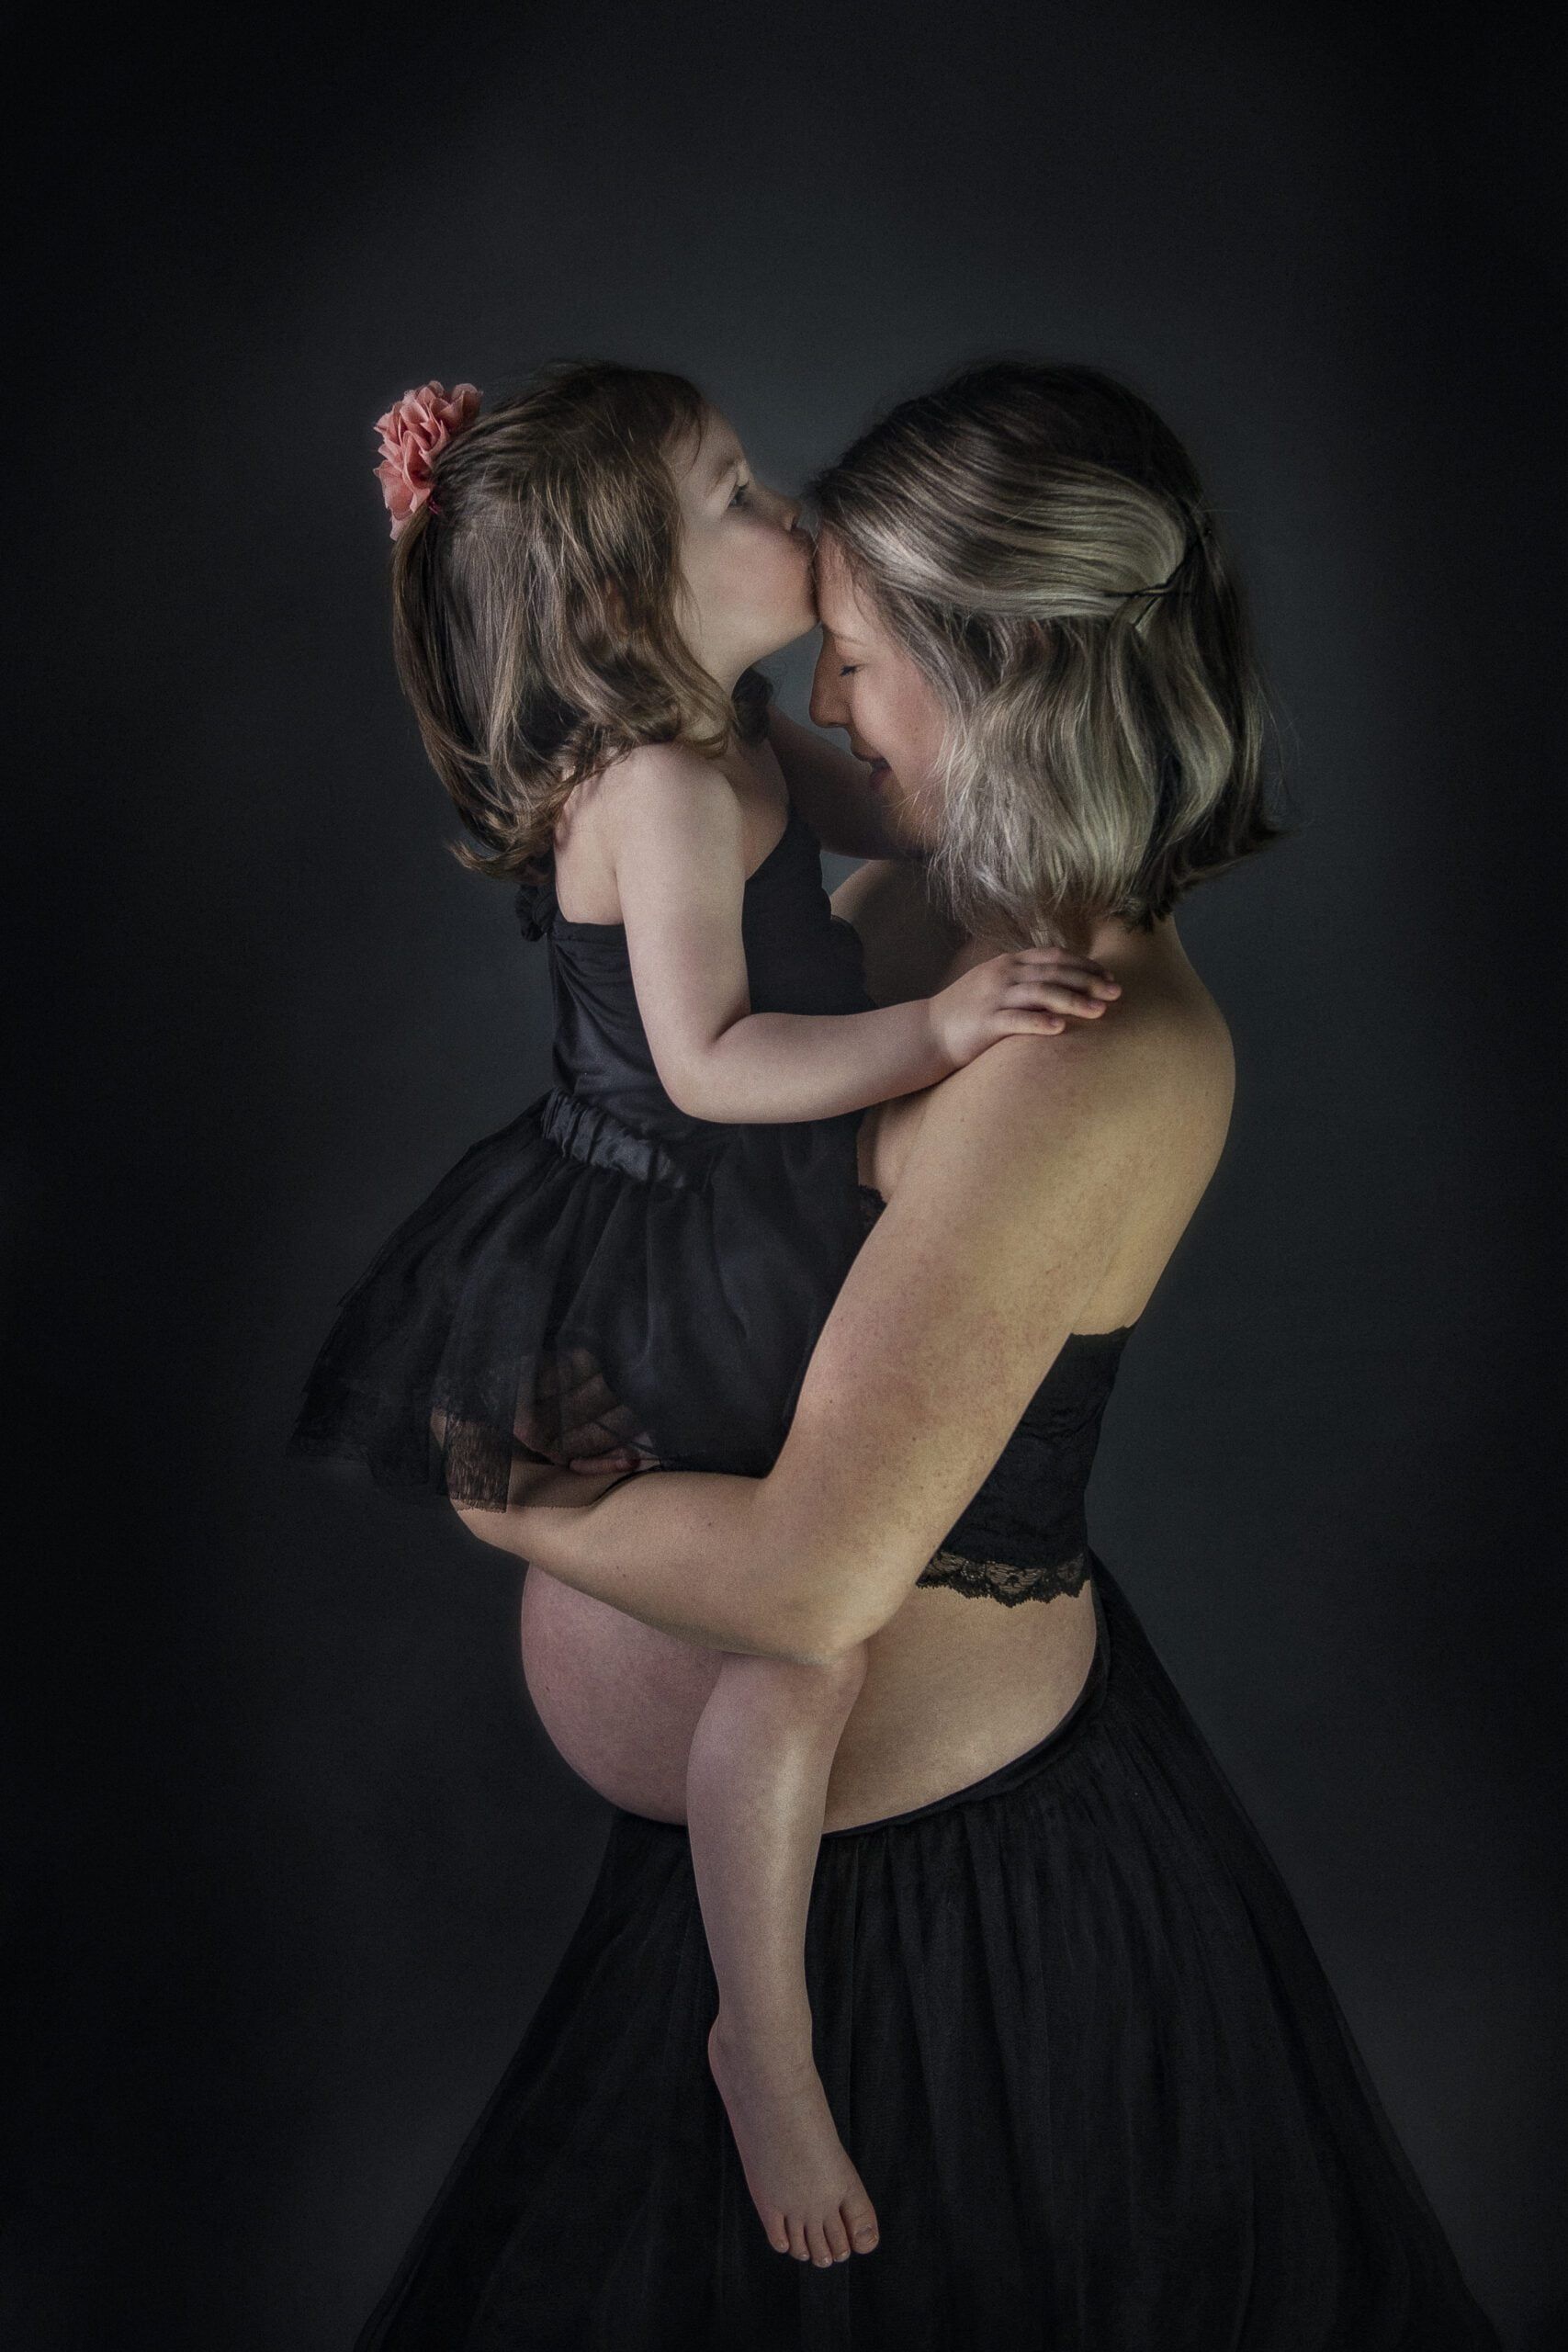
<point x="870" y="686"/>
<point x="745" y="563"/>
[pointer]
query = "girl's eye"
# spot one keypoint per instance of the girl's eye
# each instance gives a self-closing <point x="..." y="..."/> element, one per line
<point x="848" y="669"/>
<point x="742" y="492"/>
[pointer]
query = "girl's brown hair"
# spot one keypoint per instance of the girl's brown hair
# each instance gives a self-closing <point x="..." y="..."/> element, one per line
<point x="535" y="603"/>
<point x="1040" y="543"/>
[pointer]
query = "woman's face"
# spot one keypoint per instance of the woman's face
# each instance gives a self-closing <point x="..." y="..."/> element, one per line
<point x="870" y="686"/>
<point x="745" y="563"/>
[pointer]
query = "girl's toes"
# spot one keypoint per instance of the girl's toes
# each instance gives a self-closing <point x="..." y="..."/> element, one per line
<point x="797" y="2244"/>
<point x="817" y="2239"/>
<point x="862" y="2224"/>
<point x="778" y="2235"/>
<point x="837" y="2238"/>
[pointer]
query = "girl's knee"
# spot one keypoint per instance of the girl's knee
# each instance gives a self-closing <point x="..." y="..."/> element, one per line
<point x="814" y="1686"/>
<point x="833" y="1683"/>
<point x="848" y="1668"/>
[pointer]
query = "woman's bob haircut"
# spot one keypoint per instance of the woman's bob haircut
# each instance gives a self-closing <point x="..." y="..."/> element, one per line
<point x="1039" y="544"/>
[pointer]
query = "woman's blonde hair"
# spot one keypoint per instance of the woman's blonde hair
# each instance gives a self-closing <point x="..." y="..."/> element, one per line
<point x="1040" y="545"/>
<point x="535" y="603"/>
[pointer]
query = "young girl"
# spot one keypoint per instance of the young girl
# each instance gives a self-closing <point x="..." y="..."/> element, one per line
<point x="633" y="1274"/>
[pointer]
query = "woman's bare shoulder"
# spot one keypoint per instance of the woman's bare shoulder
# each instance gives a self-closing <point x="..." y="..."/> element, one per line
<point x="1161" y="1051"/>
<point x="1115" y="1126"/>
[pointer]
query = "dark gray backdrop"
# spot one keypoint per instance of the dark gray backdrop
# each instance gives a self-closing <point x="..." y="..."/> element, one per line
<point x="302" y="1860"/>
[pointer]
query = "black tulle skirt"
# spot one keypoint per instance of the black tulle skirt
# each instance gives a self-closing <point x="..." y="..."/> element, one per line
<point x="1076" y="2039"/>
<point x="571" y="1286"/>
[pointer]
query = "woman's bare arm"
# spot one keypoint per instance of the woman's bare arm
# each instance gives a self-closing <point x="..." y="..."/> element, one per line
<point x="909" y="945"/>
<point x="828" y="786"/>
<point x="1012" y="1200"/>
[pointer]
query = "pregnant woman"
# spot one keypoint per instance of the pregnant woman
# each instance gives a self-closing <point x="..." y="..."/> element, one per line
<point x="1072" y="2031"/>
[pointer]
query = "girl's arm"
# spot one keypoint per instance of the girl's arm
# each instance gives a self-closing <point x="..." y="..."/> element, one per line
<point x="1008" y="1211"/>
<point x="828" y="786"/>
<point x="679" y="848"/>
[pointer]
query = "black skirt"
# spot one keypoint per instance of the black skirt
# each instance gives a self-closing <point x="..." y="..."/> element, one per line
<point x="693" y="1277"/>
<point x="1075" y="2037"/>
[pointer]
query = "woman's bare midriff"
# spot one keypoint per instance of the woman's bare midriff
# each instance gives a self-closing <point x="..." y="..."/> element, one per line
<point x="955" y="1686"/>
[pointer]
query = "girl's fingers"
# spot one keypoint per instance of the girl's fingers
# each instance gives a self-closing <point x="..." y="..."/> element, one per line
<point x="1055" y="999"/>
<point x="1085" y="980"/>
<point x="1057" y="959"/>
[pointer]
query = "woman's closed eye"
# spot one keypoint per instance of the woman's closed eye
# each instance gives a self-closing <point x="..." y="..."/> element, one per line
<point x="848" y="669"/>
<point x="741" y="493"/>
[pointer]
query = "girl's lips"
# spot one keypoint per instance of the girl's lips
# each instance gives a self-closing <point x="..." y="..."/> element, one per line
<point x="875" y="772"/>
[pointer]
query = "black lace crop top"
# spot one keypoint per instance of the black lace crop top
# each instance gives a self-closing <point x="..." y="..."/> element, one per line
<point x="1024" y="1536"/>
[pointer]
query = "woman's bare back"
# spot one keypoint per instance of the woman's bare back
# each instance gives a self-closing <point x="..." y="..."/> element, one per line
<point x="955" y="1685"/>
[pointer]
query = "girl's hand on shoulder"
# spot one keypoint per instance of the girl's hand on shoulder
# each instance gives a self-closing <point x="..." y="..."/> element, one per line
<point x="1027" y="992"/>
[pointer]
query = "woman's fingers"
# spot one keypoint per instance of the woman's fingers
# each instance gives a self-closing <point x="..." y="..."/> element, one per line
<point x="596" y="1441"/>
<point x="587" y="1428"/>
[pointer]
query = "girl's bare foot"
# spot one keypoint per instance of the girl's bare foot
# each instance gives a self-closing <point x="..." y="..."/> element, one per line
<point x="812" y="2201"/>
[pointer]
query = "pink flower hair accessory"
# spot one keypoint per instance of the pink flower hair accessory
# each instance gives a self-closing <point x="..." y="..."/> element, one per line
<point x="413" y="432"/>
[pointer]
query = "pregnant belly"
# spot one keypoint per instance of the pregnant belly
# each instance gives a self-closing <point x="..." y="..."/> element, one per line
<point x="954" y="1687"/>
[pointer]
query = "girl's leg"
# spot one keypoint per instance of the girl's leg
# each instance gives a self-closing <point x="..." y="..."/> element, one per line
<point x="756" y="1790"/>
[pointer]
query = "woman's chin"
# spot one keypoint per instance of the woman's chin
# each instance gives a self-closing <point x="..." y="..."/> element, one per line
<point x="906" y="821"/>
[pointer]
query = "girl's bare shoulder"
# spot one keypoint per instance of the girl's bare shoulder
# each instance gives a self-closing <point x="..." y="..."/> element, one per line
<point x="657" y="806"/>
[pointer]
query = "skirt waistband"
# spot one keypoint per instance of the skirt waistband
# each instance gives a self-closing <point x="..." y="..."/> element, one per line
<point x="1018" y="1770"/>
<point x="587" y="1131"/>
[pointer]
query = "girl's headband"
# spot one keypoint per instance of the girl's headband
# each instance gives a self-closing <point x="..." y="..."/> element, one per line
<point x="413" y="432"/>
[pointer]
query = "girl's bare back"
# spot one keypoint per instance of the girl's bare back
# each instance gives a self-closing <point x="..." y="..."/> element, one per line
<point x="954" y="1687"/>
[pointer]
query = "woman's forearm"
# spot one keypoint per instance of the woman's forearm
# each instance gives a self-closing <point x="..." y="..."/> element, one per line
<point x="830" y="789"/>
<point x="698" y="1555"/>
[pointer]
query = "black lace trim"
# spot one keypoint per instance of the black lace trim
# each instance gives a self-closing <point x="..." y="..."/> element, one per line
<point x="999" y="1580"/>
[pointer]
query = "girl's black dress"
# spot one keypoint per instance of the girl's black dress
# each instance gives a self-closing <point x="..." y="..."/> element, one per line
<point x="606" y="1270"/>
<point x="1071" y="2026"/>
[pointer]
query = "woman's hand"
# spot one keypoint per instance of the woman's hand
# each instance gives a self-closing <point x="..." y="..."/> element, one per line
<point x="575" y="1440"/>
<point x="1029" y="991"/>
<point x="543" y="1476"/>
<point x="575" y="1418"/>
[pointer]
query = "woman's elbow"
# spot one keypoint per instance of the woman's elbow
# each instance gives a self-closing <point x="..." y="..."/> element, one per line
<point x="814" y="1603"/>
<point x="833" y="1645"/>
<point x="801" y="1633"/>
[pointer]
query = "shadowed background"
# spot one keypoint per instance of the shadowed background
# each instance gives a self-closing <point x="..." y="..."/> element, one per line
<point x="302" y="1860"/>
